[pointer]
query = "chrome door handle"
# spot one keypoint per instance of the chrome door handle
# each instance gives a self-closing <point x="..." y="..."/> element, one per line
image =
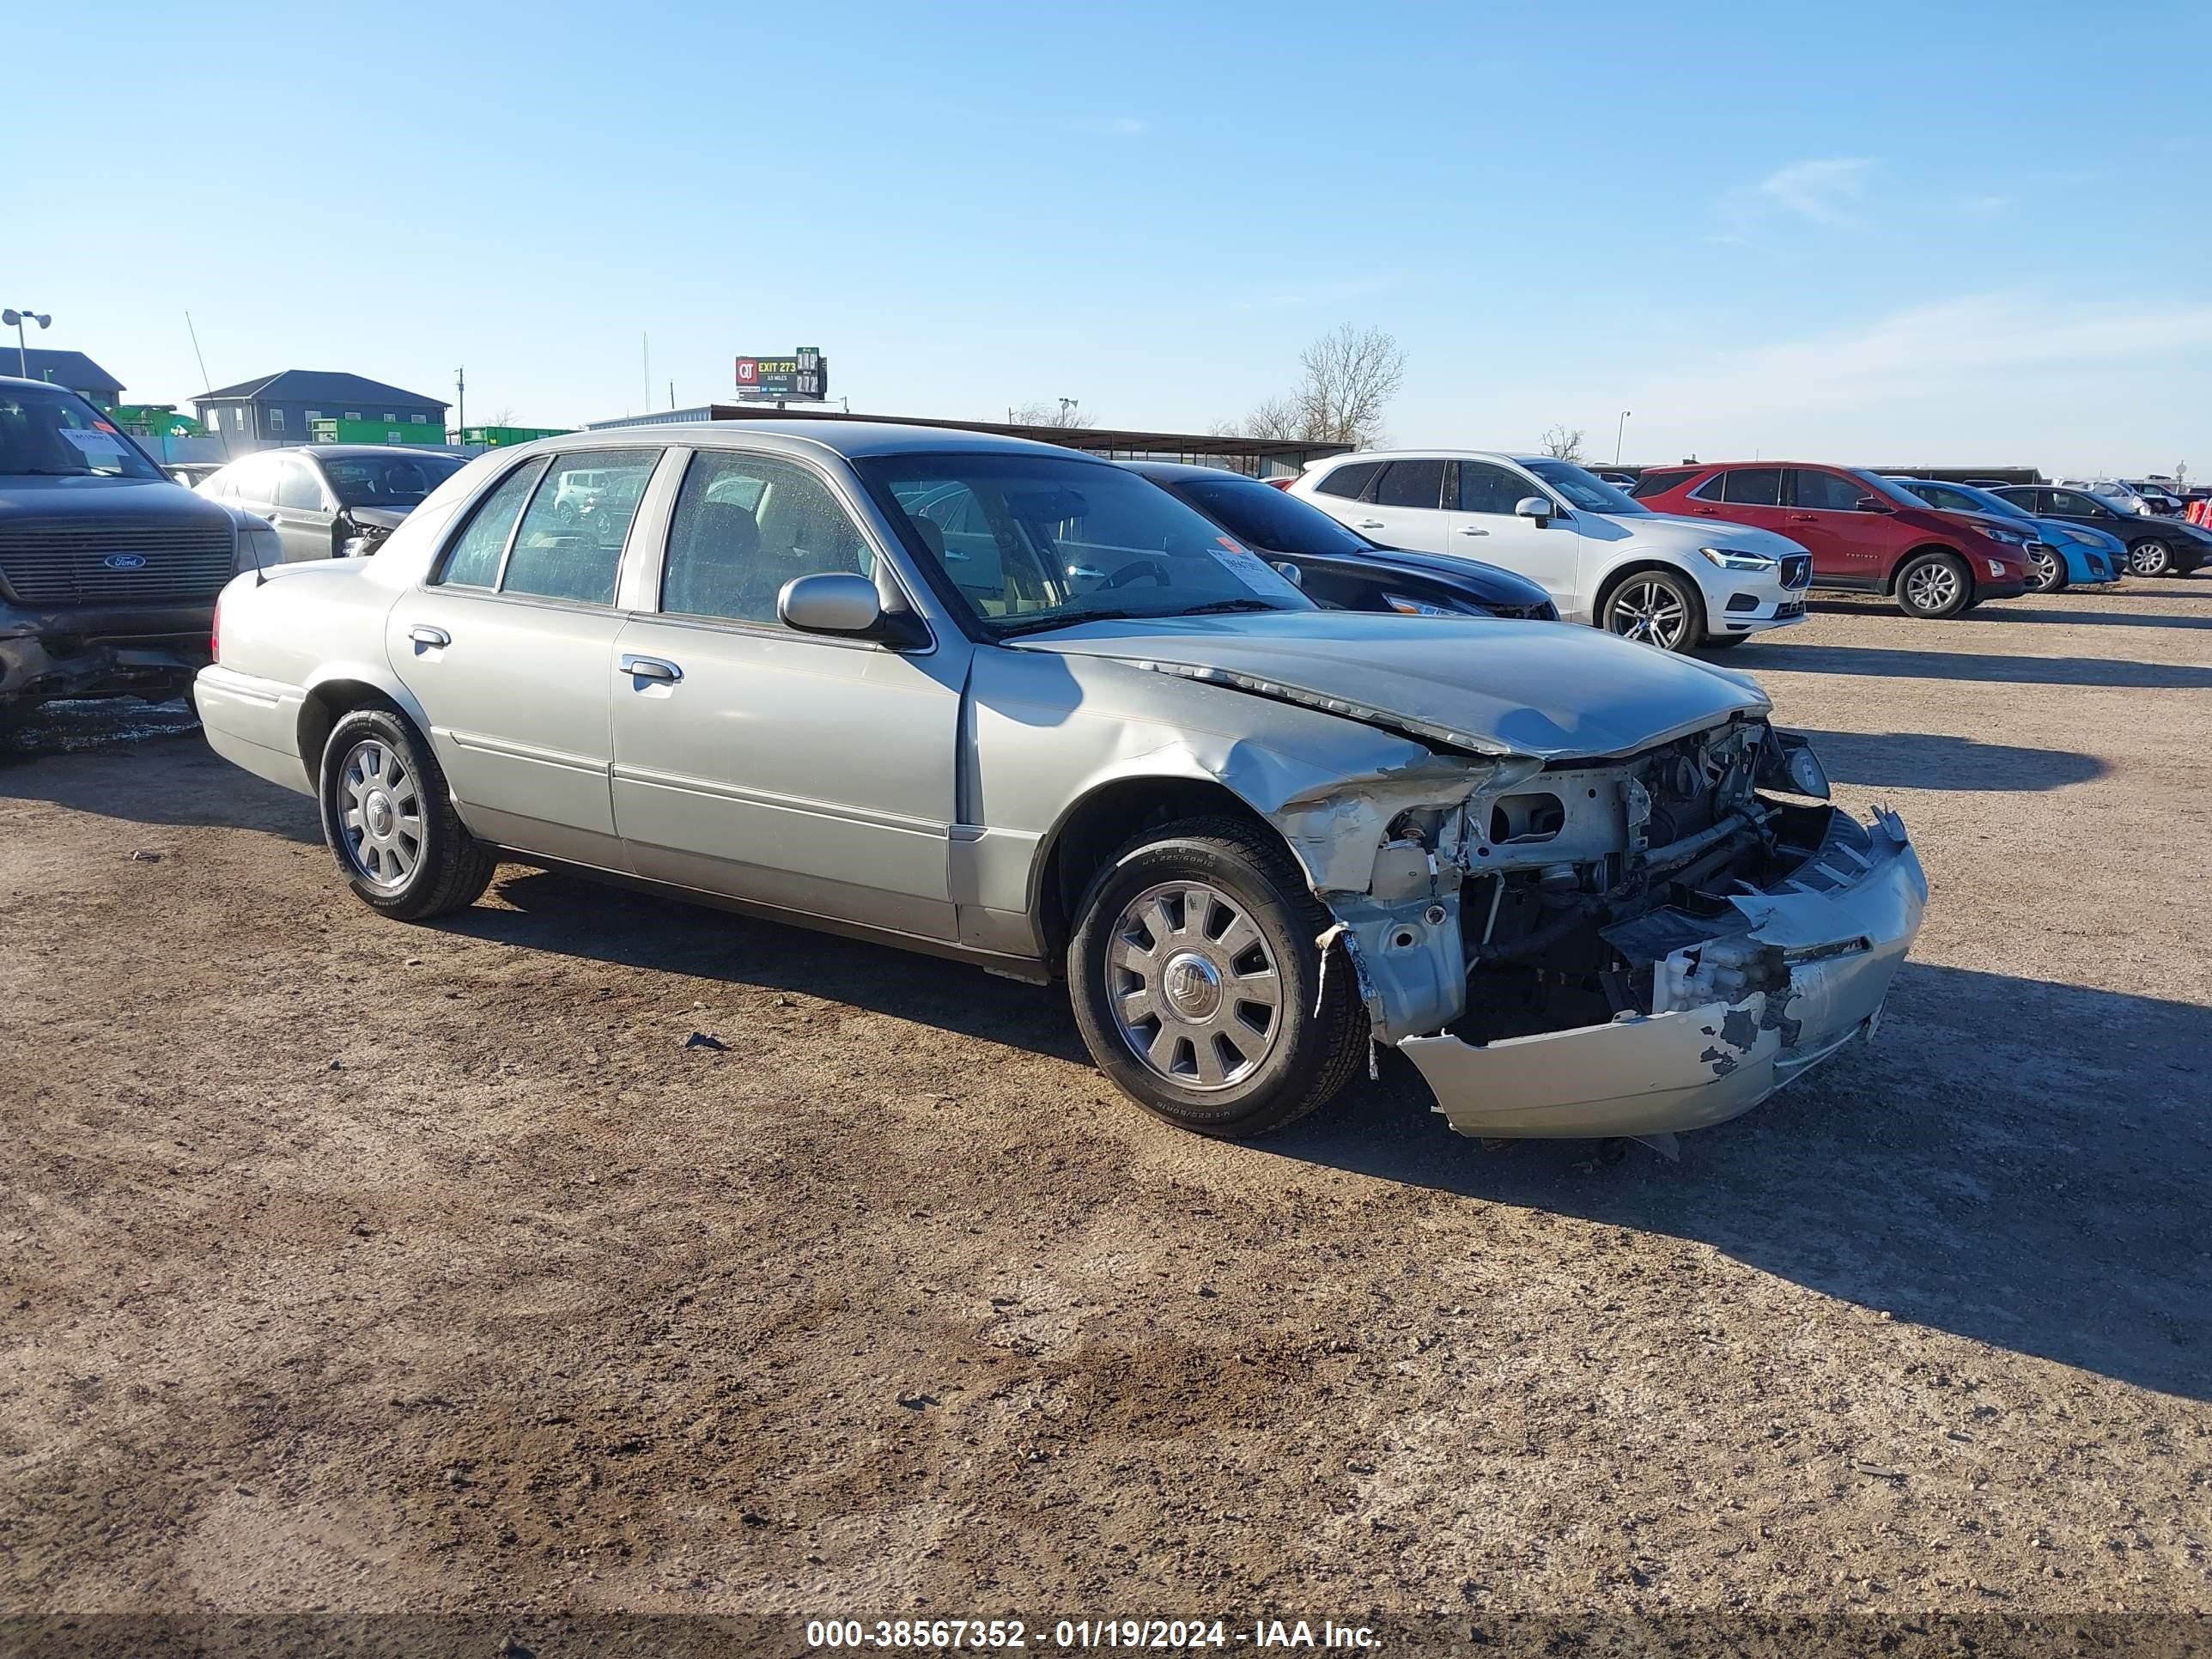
<point x="1472" y="531"/>
<point x="651" y="668"/>
<point x="1084" y="573"/>
<point x="1369" y="524"/>
<point x="423" y="633"/>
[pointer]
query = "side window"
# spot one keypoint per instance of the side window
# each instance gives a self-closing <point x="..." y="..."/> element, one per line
<point x="474" y="559"/>
<point x="297" y="487"/>
<point x="1753" y="486"/>
<point x="571" y="538"/>
<point x="1349" y="480"/>
<point x="1827" y="492"/>
<point x="744" y="525"/>
<point x="1658" y="484"/>
<point x="2074" y="504"/>
<point x="257" y="479"/>
<point x="1485" y="488"/>
<point x="1412" y="483"/>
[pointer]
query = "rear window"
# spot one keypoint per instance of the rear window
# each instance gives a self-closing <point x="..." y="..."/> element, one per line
<point x="1350" y="479"/>
<point x="1658" y="484"/>
<point x="1412" y="483"/>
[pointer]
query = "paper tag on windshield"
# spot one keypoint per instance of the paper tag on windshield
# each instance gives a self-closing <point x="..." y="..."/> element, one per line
<point x="95" y="446"/>
<point x="1244" y="567"/>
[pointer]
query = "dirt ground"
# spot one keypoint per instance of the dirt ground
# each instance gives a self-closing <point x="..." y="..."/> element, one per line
<point x="354" y="1265"/>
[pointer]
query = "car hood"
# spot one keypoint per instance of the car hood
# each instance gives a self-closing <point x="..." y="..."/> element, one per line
<point x="137" y="500"/>
<point x="383" y="518"/>
<point x="1552" y="690"/>
<point x="1672" y="529"/>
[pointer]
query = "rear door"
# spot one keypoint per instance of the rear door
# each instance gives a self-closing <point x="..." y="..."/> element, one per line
<point x="1742" y="494"/>
<point x="510" y="648"/>
<point x="1485" y="526"/>
<point x="1406" y="507"/>
<point x="1848" y="544"/>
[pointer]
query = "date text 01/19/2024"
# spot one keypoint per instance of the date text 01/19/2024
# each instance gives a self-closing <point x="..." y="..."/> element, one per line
<point x="985" y="1635"/>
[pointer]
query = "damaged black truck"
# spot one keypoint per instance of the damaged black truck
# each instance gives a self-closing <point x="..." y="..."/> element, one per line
<point x="108" y="570"/>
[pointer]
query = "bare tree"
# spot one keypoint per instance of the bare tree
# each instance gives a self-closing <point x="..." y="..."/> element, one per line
<point x="1563" y="443"/>
<point x="1062" y="412"/>
<point x="1345" y="377"/>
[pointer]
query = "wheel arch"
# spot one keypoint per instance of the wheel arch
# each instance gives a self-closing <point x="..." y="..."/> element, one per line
<point x="1637" y="564"/>
<point x="1101" y="819"/>
<point x="1889" y="576"/>
<point x="335" y="691"/>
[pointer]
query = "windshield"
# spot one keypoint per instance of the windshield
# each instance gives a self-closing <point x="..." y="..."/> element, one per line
<point x="1268" y="519"/>
<point x="58" y="435"/>
<point x="1961" y="498"/>
<point x="1584" y="490"/>
<point x="1031" y="541"/>
<point x="396" y="480"/>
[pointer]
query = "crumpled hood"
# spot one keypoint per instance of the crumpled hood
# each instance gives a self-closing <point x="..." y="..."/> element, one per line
<point x="1554" y="690"/>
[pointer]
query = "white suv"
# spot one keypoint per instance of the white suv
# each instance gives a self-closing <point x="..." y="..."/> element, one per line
<point x="1606" y="559"/>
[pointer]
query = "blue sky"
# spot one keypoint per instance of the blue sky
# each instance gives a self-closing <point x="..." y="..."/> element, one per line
<point x="1951" y="232"/>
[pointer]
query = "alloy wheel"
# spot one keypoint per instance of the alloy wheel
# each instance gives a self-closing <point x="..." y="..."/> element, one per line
<point x="1652" y="610"/>
<point x="2046" y="572"/>
<point x="1194" y="985"/>
<point x="382" y="817"/>
<point x="1933" y="586"/>
<point x="2149" y="558"/>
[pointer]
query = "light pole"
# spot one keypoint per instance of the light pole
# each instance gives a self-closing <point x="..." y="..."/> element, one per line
<point x="1617" y="433"/>
<point x="16" y="320"/>
<point x="1068" y="404"/>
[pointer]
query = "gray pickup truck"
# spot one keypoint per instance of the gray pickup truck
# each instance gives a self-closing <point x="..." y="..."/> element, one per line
<point x="108" y="570"/>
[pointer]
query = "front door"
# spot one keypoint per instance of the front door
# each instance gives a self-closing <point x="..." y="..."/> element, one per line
<point x="510" y="649"/>
<point x="1485" y="525"/>
<point x="813" y="774"/>
<point x="303" y="511"/>
<point x="1850" y="544"/>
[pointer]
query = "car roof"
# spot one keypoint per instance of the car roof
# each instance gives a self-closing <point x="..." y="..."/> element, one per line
<point x="848" y="438"/>
<point x="1176" y="471"/>
<point x="339" y="452"/>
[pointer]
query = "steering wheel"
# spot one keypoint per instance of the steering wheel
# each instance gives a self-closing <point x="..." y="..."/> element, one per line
<point x="1138" y="570"/>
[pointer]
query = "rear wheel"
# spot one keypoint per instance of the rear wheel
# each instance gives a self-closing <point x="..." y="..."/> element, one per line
<point x="2151" y="558"/>
<point x="1657" y="607"/>
<point x="389" y="817"/>
<point x="2046" y="572"/>
<point x="1933" y="585"/>
<point x="1199" y="987"/>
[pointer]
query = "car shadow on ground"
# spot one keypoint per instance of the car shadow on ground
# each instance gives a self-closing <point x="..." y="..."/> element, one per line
<point x="2014" y="1161"/>
<point x="554" y="910"/>
<point x="2099" y="618"/>
<point x="2022" y="1164"/>
<point x="97" y="777"/>
<point x="1890" y="664"/>
<point x="1929" y="760"/>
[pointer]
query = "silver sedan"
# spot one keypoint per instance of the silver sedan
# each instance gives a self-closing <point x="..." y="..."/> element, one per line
<point x="1004" y="703"/>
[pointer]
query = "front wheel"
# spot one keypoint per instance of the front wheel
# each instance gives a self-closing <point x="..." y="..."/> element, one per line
<point x="1198" y="986"/>
<point x="389" y="817"/>
<point x="2046" y="572"/>
<point x="1657" y="607"/>
<point x="1935" y="585"/>
<point x="2152" y="558"/>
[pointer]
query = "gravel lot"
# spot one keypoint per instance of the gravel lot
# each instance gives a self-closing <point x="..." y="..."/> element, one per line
<point x="357" y="1265"/>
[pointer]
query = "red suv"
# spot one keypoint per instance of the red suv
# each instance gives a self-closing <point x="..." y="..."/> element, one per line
<point x="1865" y="534"/>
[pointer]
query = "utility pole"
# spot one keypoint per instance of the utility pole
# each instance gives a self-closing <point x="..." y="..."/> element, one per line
<point x="1617" y="433"/>
<point x="460" y="404"/>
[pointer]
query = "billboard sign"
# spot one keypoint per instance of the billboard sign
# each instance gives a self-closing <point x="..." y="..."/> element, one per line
<point x="801" y="377"/>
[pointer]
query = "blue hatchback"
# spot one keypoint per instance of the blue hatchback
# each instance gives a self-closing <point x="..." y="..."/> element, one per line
<point x="2078" y="552"/>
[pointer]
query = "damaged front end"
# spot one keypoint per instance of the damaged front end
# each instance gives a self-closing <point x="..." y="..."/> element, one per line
<point x="1628" y="946"/>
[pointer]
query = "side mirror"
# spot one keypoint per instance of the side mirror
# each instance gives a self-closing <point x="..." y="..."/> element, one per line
<point x="845" y="606"/>
<point x="1538" y="507"/>
<point x="1873" y="504"/>
<point x="1290" y="573"/>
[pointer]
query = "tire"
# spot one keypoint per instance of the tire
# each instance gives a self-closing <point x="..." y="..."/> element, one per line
<point x="2046" y="572"/>
<point x="1722" y="642"/>
<point x="1658" y="607"/>
<point x="1932" y="586"/>
<point x="2150" y="558"/>
<point x="375" y="767"/>
<point x="1155" y="967"/>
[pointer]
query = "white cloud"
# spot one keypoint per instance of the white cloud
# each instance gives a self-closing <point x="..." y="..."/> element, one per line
<point x="1823" y="191"/>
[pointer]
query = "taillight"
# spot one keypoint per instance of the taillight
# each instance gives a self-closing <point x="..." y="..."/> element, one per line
<point x="214" y="632"/>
